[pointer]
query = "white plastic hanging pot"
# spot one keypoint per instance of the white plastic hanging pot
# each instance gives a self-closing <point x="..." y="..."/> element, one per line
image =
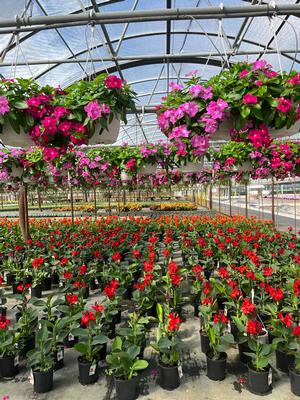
<point x="192" y="167"/>
<point x="245" y="167"/>
<point x="147" y="169"/>
<point x="11" y="138"/>
<point x="125" y="177"/>
<point x="107" y="136"/>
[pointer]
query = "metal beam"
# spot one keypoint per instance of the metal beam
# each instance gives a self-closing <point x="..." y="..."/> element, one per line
<point x="146" y="57"/>
<point x="155" y="15"/>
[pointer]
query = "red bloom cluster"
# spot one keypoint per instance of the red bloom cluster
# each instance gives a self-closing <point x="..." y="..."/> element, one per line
<point x="287" y="320"/>
<point x="38" y="262"/>
<point x="21" y="287"/>
<point x="296" y="287"/>
<point x="296" y="331"/>
<point x="82" y="269"/>
<point x="71" y="298"/>
<point x="111" y="288"/>
<point x="4" y="322"/>
<point x="173" y="272"/>
<point x="220" y="318"/>
<point x="254" y="327"/>
<point x="174" y="322"/>
<point x="98" y="307"/>
<point x="87" y="316"/>
<point x="248" y="307"/>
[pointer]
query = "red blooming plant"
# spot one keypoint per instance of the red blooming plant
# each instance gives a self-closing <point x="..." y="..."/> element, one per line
<point x="296" y="334"/>
<point x="8" y="338"/>
<point x="168" y="344"/>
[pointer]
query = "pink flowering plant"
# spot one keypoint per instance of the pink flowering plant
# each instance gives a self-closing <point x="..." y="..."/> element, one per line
<point x="259" y="98"/>
<point x="11" y="164"/>
<point x="189" y="116"/>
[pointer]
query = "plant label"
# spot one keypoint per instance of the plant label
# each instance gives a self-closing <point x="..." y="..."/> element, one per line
<point x="252" y="295"/>
<point x="96" y="281"/>
<point x="61" y="284"/>
<point x="16" y="361"/>
<point x="180" y="371"/>
<point x="30" y="378"/>
<point x="70" y="337"/>
<point x="60" y="355"/>
<point x="270" y="377"/>
<point x="92" y="369"/>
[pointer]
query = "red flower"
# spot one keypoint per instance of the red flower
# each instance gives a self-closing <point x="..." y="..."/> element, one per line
<point x="116" y="257"/>
<point x="38" y="262"/>
<point x="287" y="320"/>
<point x="67" y="275"/>
<point x="98" y="308"/>
<point x="136" y="254"/>
<point x="296" y="331"/>
<point x="268" y="271"/>
<point x="296" y="287"/>
<point x="208" y="252"/>
<point x="97" y="254"/>
<point x="166" y="253"/>
<point x="221" y="317"/>
<point x="72" y="298"/>
<point x="206" y="288"/>
<point x="176" y="279"/>
<point x="87" y="316"/>
<point x="223" y="273"/>
<point x="148" y="266"/>
<point x="174" y="322"/>
<point x="235" y="293"/>
<point x="276" y="293"/>
<point x="248" y="307"/>
<point x="111" y="288"/>
<point x="1" y="280"/>
<point x="4" y="322"/>
<point x="82" y="269"/>
<point x="64" y="261"/>
<point x="207" y="301"/>
<point x="254" y="327"/>
<point x="172" y="268"/>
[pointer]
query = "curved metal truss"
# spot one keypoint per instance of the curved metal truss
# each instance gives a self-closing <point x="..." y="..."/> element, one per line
<point x="58" y="42"/>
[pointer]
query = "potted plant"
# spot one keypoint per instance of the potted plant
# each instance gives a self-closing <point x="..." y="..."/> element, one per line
<point x="168" y="346"/>
<point x="9" y="360"/>
<point x="125" y="365"/>
<point x="294" y="368"/>
<point x="216" y="356"/>
<point x="40" y="360"/>
<point x="259" y="370"/>
<point x="89" y="348"/>
<point x="135" y="332"/>
<point x="38" y="273"/>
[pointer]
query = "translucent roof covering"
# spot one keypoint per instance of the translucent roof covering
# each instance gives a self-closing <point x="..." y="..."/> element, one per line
<point x="138" y="49"/>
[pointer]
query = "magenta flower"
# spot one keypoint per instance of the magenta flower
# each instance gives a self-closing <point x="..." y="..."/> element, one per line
<point x="295" y="80"/>
<point x="192" y="73"/>
<point x="196" y="90"/>
<point x="200" y="143"/>
<point x="4" y="105"/>
<point x="211" y="125"/>
<point x="34" y="102"/>
<point x="59" y="112"/>
<point x="250" y="99"/>
<point x="190" y="108"/>
<point x="258" y="83"/>
<point x="284" y="105"/>
<point x="260" y="64"/>
<point x="93" y="110"/>
<point x="113" y="82"/>
<point x="244" y="73"/>
<point x="179" y="131"/>
<point x="50" y="153"/>
<point x="175" y="86"/>
<point x="130" y="164"/>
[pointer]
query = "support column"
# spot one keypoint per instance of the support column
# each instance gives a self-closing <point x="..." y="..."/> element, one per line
<point x="273" y="202"/>
<point x="72" y="203"/>
<point x="246" y="199"/>
<point x="230" y="194"/>
<point x="95" y="202"/>
<point x="23" y="212"/>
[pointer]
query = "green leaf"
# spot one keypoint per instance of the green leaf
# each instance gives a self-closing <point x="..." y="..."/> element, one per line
<point x="139" y="365"/>
<point x="21" y="105"/>
<point x="81" y="347"/>
<point x="117" y="344"/>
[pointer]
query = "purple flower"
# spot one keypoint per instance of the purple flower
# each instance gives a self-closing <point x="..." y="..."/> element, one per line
<point x="190" y="108"/>
<point x="4" y="106"/>
<point x="211" y="125"/>
<point x="175" y="86"/>
<point x="260" y="64"/>
<point x="200" y="142"/>
<point x="196" y="90"/>
<point x="93" y="110"/>
<point x="181" y="148"/>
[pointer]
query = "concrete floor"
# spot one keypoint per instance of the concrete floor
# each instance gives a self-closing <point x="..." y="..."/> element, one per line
<point x="194" y="385"/>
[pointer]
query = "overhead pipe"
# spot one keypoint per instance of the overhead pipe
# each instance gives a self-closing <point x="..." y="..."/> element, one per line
<point x="116" y="17"/>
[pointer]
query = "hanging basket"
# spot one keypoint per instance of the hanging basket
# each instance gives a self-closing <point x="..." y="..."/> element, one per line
<point x="11" y="138"/>
<point x="108" y="136"/>
<point x="147" y="169"/>
<point x="223" y="132"/>
<point x="192" y="167"/>
<point x="245" y="167"/>
<point x="16" y="172"/>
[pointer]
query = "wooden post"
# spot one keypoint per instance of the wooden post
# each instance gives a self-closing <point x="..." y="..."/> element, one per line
<point x="219" y="198"/>
<point x="23" y="212"/>
<point x="109" y="205"/>
<point x="210" y="197"/>
<point x="124" y="197"/>
<point x="273" y="202"/>
<point x="246" y="199"/>
<point x="39" y="199"/>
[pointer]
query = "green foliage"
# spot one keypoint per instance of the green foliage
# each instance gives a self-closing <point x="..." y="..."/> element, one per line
<point x="41" y="358"/>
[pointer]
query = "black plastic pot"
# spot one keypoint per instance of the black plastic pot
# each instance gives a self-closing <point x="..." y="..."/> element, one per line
<point x="234" y="331"/>
<point x="58" y="358"/>
<point x="46" y="283"/>
<point x="244" y="348"/>
<point x="54" y="278"/>
<point x="284" y="360"/>
<point x="216" y="369"/>
<point x="111" y="330"/>
<point x="36" y="291"/>
<point x="8" y="369"/>
<point x="117" y="317"/>
<point x="27" y="280"/>
<point x="10" y="279"/>
<point x="295" y="381"/>
<point x="42" y="381"/>
<point x="204" y="341"/>
<point x="258" y="381"/>
<point x="85" y="378"/>
<point x="3" y="311"/>
<point x="196" y="306"/>
<point x="128" y="293"/>
<point x="14" y="287"/>
<point x="93" y="285"/>
<point x="207" y="273"/>
<point x="220" y="302"/>
<point x="169" y="377"/>
<point x="126" y="389"/>
<point x="69" y="343"/>
<point x="136" y="275"/>
<point x="85" y="292"/>
<point x="151" y="312"/>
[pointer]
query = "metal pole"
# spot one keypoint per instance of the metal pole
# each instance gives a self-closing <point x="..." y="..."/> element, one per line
<point x="23" y="212"/>
<point x="210" y="197"/>
<point x="95" y="203"/>
<point x="246" y="199"/>
<point x="219" y="198"/>
<point x="72" y="203"/>
<point x="230" y="193"/>
<point x="155" y="15"/>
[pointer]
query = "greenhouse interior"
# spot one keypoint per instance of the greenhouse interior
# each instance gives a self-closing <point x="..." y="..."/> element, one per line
<point x="149" y="199"/>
